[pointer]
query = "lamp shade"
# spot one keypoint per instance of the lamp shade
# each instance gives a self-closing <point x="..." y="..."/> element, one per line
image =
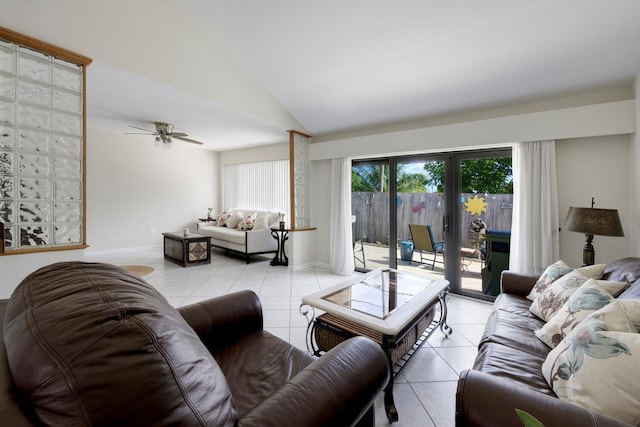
<point x="600" y="222"/>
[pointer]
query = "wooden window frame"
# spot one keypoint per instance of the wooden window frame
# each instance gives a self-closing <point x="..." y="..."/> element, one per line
<point x="82" y="61"/>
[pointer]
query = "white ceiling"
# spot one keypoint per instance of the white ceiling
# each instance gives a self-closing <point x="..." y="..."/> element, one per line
<point x="337" y="65"/>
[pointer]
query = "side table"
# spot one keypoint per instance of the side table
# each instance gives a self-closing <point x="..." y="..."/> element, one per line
<point x="281" y="235"/>
<point x="189" y="250"/>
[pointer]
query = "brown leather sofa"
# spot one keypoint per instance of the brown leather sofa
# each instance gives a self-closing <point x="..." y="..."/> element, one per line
<point x="92" y="344"/>
<point x="507" y="372"/>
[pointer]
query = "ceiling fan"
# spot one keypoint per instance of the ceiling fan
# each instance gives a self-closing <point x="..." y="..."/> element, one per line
<point x="164" y="134"/>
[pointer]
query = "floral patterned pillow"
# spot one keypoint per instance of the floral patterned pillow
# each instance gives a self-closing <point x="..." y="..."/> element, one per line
<point x="550" y="275"/>
<point x="554" y="297"/>
<point x="222" y="218"/>
<point x="595" y="366"/>
<point x="588" y="298"/>
<point x="246" y="223"/>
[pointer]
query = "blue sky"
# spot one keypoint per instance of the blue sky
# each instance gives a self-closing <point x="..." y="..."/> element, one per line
<point x="414" y="167"/>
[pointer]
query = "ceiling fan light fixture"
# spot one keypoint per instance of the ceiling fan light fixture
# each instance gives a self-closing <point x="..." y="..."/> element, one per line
<point x="164" y="128"/>
<point x="164" y="135"/>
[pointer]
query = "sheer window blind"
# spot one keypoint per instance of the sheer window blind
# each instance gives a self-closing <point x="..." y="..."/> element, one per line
<point x="260" y="186"/>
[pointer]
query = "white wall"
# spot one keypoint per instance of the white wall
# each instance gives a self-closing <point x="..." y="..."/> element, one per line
<point x="14" y="268"/>
<point x="609" y="118"/>
<point x="136" y="191"/>
<point x="321" y="207"/>
<point x="596" y="167"/>
<point x="634" y="158"/>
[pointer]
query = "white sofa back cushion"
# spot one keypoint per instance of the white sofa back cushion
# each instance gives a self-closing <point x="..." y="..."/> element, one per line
<point x="261" y="222"/>
<point x="271" y="218"/>
<point x="233" y="220"/>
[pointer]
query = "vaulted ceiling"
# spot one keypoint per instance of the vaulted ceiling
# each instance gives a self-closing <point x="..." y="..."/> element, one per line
<point x="240" y="73"/>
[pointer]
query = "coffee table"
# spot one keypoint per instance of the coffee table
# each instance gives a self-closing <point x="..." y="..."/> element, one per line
<point x="394" y="308"/>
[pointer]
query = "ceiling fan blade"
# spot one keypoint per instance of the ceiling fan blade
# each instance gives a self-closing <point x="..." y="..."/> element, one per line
<point x="137" y="133"/>
<point x="146" y="130"/>
<point x="193" y="141"/>
<point x="178" y="134"/>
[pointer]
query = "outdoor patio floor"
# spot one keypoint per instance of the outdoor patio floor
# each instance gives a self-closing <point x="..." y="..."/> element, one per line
<point x="377" y="256"/>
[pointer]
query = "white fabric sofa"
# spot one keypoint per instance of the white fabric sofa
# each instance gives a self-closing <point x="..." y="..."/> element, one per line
<point x="258" y="240"/>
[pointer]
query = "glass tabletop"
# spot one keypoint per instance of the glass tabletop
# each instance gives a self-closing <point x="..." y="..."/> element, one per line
<point x="381" y="294"/>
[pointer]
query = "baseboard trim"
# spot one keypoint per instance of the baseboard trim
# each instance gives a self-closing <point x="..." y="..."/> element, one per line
<point x="309" y="265"/>
<point x="88" y="253"/>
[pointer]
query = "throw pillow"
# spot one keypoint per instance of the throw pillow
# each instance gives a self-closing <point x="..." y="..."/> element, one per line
<point x="222" y="218"/>
<point x="275" y="220"/>
<point x="246" y="223"/>
<point x="595" y="365"/>
<point x="588" y="298"/>
<point x="550" y="275"/>
<point x="261" y="222"/>
<point x="233" y="220"/>
<point x="550" y="301"/>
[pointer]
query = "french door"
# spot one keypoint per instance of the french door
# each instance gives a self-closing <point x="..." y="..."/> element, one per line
<point x="430" y="214"/>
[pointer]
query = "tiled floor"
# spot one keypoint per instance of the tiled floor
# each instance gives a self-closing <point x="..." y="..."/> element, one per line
<point x="424" y="391"/>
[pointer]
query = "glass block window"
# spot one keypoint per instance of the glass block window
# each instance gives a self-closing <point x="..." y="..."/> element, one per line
<point x="42" y="157"/>
<point x="300" y="176"/>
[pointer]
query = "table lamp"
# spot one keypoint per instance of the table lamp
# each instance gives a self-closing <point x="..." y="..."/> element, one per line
<point x="592" y="221"/>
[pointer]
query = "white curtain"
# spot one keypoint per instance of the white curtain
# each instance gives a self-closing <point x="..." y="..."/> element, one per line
<point x="535" y="241"/>
<point x="340" y="240"/>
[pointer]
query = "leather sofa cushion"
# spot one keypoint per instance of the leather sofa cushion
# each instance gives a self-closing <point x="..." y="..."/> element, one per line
<point x="92" y="344"/>
<point x="514" y="304"/>
<point x="515" y="331"/>
<point x="625" y="270"/>
<point x="259" y="365"/>
<point x="516" y="365"/>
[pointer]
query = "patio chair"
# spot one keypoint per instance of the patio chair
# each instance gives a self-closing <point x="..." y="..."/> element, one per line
<point x="358" y="245"/>
<point x="423" y="241"/>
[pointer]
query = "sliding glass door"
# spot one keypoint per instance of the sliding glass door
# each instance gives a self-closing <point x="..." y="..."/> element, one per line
<point x="446" y="215"/>
<point x="370" y="214"/>
<point x="482" y="220"/>
<point x="420" y="215"/>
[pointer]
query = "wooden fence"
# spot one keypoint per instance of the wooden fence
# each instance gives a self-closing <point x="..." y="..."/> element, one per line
<point x="371" y="211"/>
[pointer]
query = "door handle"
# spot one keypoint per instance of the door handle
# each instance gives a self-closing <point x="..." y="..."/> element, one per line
<point x="445" y="224"/>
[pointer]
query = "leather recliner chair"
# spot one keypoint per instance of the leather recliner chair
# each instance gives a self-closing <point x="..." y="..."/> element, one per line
<point x="92" y="344"/>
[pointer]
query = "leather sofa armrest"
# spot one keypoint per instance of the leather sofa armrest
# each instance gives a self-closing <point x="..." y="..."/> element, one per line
<point x="484" y="400"/>
<point x="336" y="390"/>
<point x="222" y="320"/>
<point x="517" y="283"/>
